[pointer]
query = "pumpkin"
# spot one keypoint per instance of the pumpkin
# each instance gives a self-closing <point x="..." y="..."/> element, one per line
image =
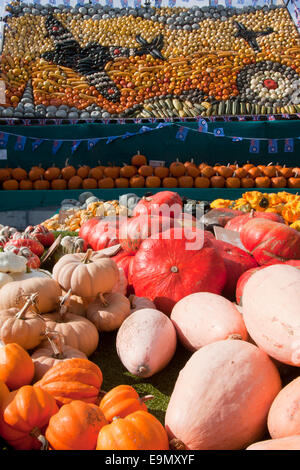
<point x="247" y="182"/>
<point x="137" y="181"/>
<point x="75" y="182"/>
<point x="207" y="171"/>
<point x="262" y="182"/>
<point x="248" y="165"/>
<point x="284" y="414"/>
<point x="100" y="233"/>
<point x="68" y="171"/>
<point x="236" y="223"/>
<point x="161" y="171"/>
<point x="107" y="312"/>
<point x="127" y="171"/>
<point x="59" y="184"/>
<point x="286" y="172"/>
<point x="42" y="234"/>
<point x="146" y="342"/>
<point x="5" y="174"/>
<point x="145" y="170"/>
<point x="177" y="169"/>
<point x="269" y="170"/>
<point x="122" y="183"/>
<point x="254" y="172"/>
<point x="202" y="399"/>
<point x="152" y="182"/>
<point x="217" y="181"/>
<point x="41" y="185"/>
<point x="10" y="185"/>
<point x="138" y="159"/>
<point x="36" y="173"/>
<point x="122" y="285"/>
<point x="202" y="182"/>
<point x="166" y="270"/>
<point x="75" y="427"/>
<point x="26" y="241"/>
<point x="24" y="416"/>
<point x="4" y="392"/>
<point x="14" y="293"/>
<point x="285" y="443"/>
<point x="293" y="182"/>
<point x="19" y="174"/>
<point x="203" y="318"/>
<point x="12" y="263"/>
<point x="185" y="181"/>
<point x="22" y="326"/>
<point x="158" y="204"/>
<point x="26" y="185"/>
<point x="96" y="173"/>
<point x="89" y="183"/>
<point x="86" y="274"/>
<point x="233" y="181"/>
<point x="52" y="173"/>
<point x="76" y="304"/>
<point x="122" y="260"/>
<point x="137" y="431"/>
<point x="72" y="379"/>
<point x="271" y="311"/>
<point x="192" y="170"/>
<point x="278" y="181"/>
<point x="240" y="172"/>
<point x="170" y="182"/>
<point x="83" y="171"/>
<point x="46" y="356"/>
<point x="236" y="262"/>
<point x="16" y="366"/>
<point x="224" y="171"/>
<point x="122" y="401"/>
<point x="267" y="240"/>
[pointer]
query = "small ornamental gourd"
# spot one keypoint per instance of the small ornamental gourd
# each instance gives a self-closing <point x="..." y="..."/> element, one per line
<point x="12" y="263"/>
<point x="86" y="274"/>
<point x="25" y="414"/>
<point x="72" y="379"/>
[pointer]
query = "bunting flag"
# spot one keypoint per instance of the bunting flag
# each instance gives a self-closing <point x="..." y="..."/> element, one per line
<point x="202" y="126"/>
<point x="91" y="143"/>
<point x="3" y="140"/>
<point x="182" y="133"/>
<point x="56" y="146"/>
<point x="237" y="139"/>
<point x="36" y="144"/>
<point x="20" y="143"/>
<point x="75" y="145"/>
<point x="26" y="122"/>
<point x="271" y="118"/>
<point x="289" y="145"/>
<point x="111" y="139"/>
<point x="272" y="146"/>
<point x="219" y="132"/>
<point x="254" y="146"/>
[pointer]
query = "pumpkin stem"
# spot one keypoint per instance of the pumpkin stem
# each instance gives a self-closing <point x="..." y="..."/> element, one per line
<point x="102" y="300"/>
<point x="29" y="302"/>
<point x="88" y="254"/>
<point x="174" y="269"/>
<point x="55" y="340"/>
<point x="142" y="369"/>
<point x="101" y="394"/>
<point x="146" y="398"/>
<point x="36" y="432"/>
<point x="235" y="336"/>
<point x="177" y="444"/>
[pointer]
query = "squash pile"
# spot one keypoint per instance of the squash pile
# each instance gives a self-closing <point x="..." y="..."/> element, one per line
<point x="140" y="174"/>
<point x="235" y="310"/>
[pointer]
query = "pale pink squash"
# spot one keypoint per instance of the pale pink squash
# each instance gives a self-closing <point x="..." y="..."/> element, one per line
<point x="271" y="300"/>
<point x="222" y="397"/>
<point x="284" y="414"/>
<point x="203" y="318"/>
<point x="146" y="342"/>
<point x="285" y="443"/>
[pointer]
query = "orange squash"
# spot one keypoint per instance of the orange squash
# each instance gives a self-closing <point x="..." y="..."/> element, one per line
<point x="10" y="185"/>
<point x="112" y="172"/>
<point x="247" y="182"/>
<point x="233" y="182"/>
<point x="122" y="401"/>
<point x="254" y="172"/>
<point x="145" y="170"/>
<point x="177" y="169"/>
<point x="217" y="181"/>
<point x="96" y="173"/>
<point x="202" y="182"/>
<point x="269" y="170"/>
<point x="89" y="183"/>
<point x="41" y="185"/>
<point x="138" y="159"/>
<point x="122" y="182"/>
<point x="83" y="171"/>
<point x="262" y="182"/>
<point x="207" y="171"/>
<point x="153" y="182"/>
<point x="137" y="181"/>
<point x="68" y="171"/>
<point x="52" y="173"/>
<point x="224" y="171"/>
<point x="16" y="366"/>
<point x="186" y="181"/>
<point x="5" y="174"/>
<point x="19" y="174"/>
<point x="26" y="184"/>
<point x="161" y="171"/>
<point x="127" y="171"/>
<point x="75" y="182"/>
<point x="59" y="184"/>
<point x="106" y="183"/>
<point x="170" y="182"/>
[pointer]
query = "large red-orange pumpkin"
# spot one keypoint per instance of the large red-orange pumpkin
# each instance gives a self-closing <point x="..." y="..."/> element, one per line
<point x="237" y="223"/>
<point x="167" y="203"/>
<point x="100" y="233"/>
<point x="24" y="416"/>
<point x="183" y="262"/>
<point x="73" y="379"/>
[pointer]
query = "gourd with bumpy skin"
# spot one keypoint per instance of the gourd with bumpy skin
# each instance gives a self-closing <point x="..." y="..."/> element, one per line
<point x="222" y="397"/>
<point x="203" y="318"/>
<point x="107" y="312"/>
<point x="12" y="263"/>
<point x="146" y="342"/>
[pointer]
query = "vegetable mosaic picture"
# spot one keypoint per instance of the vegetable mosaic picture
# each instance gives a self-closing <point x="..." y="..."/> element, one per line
<point x="98" y="62"/>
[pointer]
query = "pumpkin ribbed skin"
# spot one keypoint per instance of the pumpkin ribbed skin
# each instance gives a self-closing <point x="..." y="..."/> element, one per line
<point x="100" y="233"/>
<point x="26" y="331"/>
<point x="121" y="401"/>
<point x="23" y="412"/>
<point x="138" y="431"/>
<point x="110" y="314"/>
<point x="86" y="274"/>
<point x="73" y="379"/>
<point x="4" y="392"/>
<point x="168" y="269"/>
<point x="222" y="397"/>
<point x="75" y="427"/>
<point x="152" y="204"/>
<point x="237" y="223"/>
<point x="16" y="366"/>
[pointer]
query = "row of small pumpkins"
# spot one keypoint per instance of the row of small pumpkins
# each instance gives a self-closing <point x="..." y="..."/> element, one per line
<point x="140" y="174"/>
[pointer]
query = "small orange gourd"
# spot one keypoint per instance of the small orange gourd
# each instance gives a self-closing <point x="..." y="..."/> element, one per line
<point x="185" y="181"/>
<point x="145" y="170"/>
<point x="10" y="185"/>
<point x="138" y="159"/>
<point x="161" y="171"/>
<point x="202" y="182"/>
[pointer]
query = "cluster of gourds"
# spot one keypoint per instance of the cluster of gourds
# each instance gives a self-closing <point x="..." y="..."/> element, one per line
<point x="283" y="203"/>
<point x="139" y="174"/>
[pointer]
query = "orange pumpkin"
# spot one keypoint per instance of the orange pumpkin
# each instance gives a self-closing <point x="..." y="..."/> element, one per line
<point x="207" y="171"/>
<point x="137" y="181"/>
<point x="75" y="427"/>
<point x="217" y="181"/>
<point x="233" y="182"/>
<point x="26" y="184"/>
<point x="73" y="379"/>
<point x="106" y="183"/>
<point x="241" y="172"/>
<point x="75" y="182"/>
<point x="145" y="170"/>
<point x="293" y="182"/>
<point x="138" y="159"/>
<point x="286" y="172"/>
<point x="10" y="185"/>
<point x="224" y="171"/>
<point x="121" y="182"/>
<point x="19" y="174"/>
<point x="52" y="173"/>
<point x="278" y="181"/>
<point x="247" y="182"/>
<point x="89" y="183"/>
<point x="186" y="181"/>
<point x="41" y="185"/>
<point x="122" y="401"/>
<point x="161" y="171"/>
<point x="127" y="171"/>
<point x="254" y="172"/>
<point x="248" y="166"/>
<point x="59" y="184"/>
<point x="270" y="170"/>
<point x="112" y="172"/>
<point x="177" y="169"/>
<point x="68" y="171"/>
<point x="202" y="182"/>
<point x="5" y="174"/>
<point x="83" y="171"/>
<point x="24" y="414"/>
<point x="262" y="182"/>
<point x="4" y="392"/>
<point x="153" y="182"/>
<point x="16" y="366"/>
<point x="170" y="182"/>
<point x="36" y="173"/>
<point x="192" y="170"/>
<point x="137" y="431"/>
<point x="96" y="173"/>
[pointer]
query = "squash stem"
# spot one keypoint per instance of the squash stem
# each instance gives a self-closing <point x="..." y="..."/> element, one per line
<point x="102" y="300"/>
<point x="29" y="302"/>
<point x="146" y="398"/>
<point x="56" y="343"/>
<point x="177" y="444"/>
<point x="88" y="254"/>
<point x="36" y="432"/>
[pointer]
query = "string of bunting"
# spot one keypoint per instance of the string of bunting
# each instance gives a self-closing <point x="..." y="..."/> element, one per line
<point x="182" y="133"/>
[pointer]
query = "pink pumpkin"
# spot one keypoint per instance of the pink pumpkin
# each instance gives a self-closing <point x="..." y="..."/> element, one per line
<point x="267" y="240"/>
<point x="100" y="233"/>
<point x="284" y="414"/>
<point x="285" y="443"/>
<point x="168" y="269"/>
<point x="271" y="300"/>
<point x="236" y="261"/>
<point x="237" y="223"/>
<point x="166" y="203"/>
<point x="203" y="318"/>
<point x="222" y="397"/>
